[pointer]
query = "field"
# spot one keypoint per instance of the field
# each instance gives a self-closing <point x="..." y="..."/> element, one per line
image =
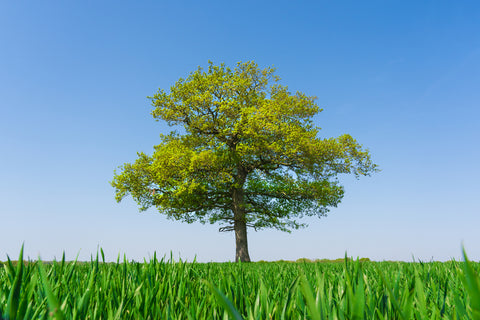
<point x="166" y="289"/>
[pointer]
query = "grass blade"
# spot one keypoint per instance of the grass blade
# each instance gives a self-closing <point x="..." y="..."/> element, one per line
<point x="308" y="296"/>
<point x="472" y="283"/>
<point x="14" y="295"/>
<point x="224" y="301"/>
<point x="53" y="304"/>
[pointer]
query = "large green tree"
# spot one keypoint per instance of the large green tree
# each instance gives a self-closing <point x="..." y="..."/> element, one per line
<point x="247" y="155"/>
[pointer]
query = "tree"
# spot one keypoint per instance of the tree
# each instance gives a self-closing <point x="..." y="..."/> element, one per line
<point x="248" y="155"/>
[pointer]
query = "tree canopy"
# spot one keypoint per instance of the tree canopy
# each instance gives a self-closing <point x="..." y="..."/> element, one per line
<point x="247" y="155"/>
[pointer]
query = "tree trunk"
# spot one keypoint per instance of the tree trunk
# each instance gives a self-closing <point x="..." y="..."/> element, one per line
<point x="239" y="216"/>
<point x="241" y="253"/>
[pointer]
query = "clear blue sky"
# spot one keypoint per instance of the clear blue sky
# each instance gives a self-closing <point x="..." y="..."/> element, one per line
<point x="403" y="77"/>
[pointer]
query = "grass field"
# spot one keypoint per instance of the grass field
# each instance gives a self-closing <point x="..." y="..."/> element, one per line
<point x="165" y="289"/>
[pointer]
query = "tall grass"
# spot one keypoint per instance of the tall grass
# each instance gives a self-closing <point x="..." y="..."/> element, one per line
<point x="168" y="289"/>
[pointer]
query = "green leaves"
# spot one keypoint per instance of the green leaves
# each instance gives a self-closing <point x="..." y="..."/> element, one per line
<point x="242" y="133"/>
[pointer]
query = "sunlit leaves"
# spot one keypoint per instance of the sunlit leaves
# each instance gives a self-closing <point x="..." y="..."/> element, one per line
<point x="242" y="130"/>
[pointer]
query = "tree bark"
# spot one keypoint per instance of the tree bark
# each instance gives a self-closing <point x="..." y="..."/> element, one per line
<point x="241" y="253"/>
<point x="239" y="216"/>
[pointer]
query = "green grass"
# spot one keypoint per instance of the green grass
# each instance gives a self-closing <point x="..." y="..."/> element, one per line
<point x="165" y="289"/>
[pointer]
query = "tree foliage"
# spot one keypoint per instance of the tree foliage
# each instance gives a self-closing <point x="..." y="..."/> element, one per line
<point x="248" y="150"/>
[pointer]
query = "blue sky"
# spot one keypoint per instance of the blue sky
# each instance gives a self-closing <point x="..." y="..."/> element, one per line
<point x="402" y="77"/>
